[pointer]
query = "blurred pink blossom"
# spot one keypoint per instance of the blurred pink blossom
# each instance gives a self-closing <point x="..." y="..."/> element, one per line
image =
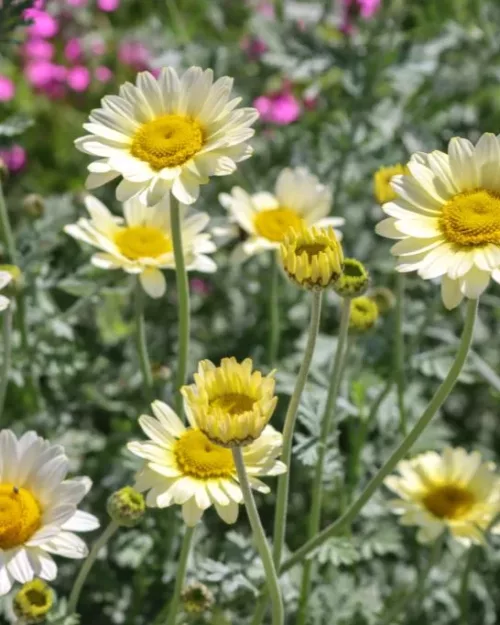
<point x="108" y="5"/>
<point x="281" y="108"/>
<point x="266" y="9"/>
<point x="14" y="158"/>
<point x="78" y="78"/>
<point x="254" y="47"/>
<point x="7" y="89"/>
<point x="98" y="46"/>
<point x="38" y="49"/>
<point x="135" y="54"/>
<point x="200" y="287"/>
<point x="354" y="8"/>
<point x="44" y="25"/>
<point x="39" y="73"/>
<point x="103" y="73"/>
<point x="73" y="50"/>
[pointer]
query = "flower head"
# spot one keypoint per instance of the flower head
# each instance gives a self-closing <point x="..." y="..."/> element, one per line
<point x="14" y="158"/>
<point x="454" y="491"/>
<point x="142" y="242"/>
<point x="182" y="466"/>
<point x="33" y="601"/>
<point x="171" y="133"/>
<point x="196" y="598"/>
<point x="281" y="108"/>
<point x="299" y="200"/>
<point x="126" y="506"/>
<point x="447" y="215"/>
<point x="38" y="509"/>
<point x="312" y="258"/>
<point x="383" y="297"/>
<point x="7" y="89"/>
<point x="382" y="182"/>
<point x="354" y="280"/>
<point x="231" y="403"/>
<point x="364" y="314"/>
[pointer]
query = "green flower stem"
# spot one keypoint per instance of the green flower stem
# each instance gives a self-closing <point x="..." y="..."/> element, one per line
<point x="326" y="427"/>
<point x="183" y="298"/>
<point x="280" y="10"/>
<point x="87" y="566"/>
<point x="290" y="420"/>
<point x="398" y="454"/>
<point x="399" y="351"/>
<point x="180" y="575"/>
<point x="260" y="539"/>
<point x="7" y="236"/>
<point x="142" y="348"/>
<point x="470" y="561"/>
<point x="7" y="353"/>
<point x="274" y="312"/>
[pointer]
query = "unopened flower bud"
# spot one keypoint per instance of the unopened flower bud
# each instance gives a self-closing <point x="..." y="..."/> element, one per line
<point x="196" y="598"/>
<point x="33" y="205"/>
<point x="384" y="298"/>
<point x="364" y="314"/>
<point x="354" y="280"/>
<point x="33" y="601"/>
<point x="126" y="506"/>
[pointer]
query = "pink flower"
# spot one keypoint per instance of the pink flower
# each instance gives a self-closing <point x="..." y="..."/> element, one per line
<point x="281" y="108"/>
<point x="7" y="89"/>
<point x="254" y="47"/>
<point x="135" y="54"/>
<point x="103" y="73"/>
<point x="108" y="5"/>
<point x="368" y="8"/>
<point x="98" y="47"/>
<point x="44" y="25"/>
<point x="200" y="287"/>
<point x="39" y="73"/>
<point x="78" y="78"/>
<point x="266" y="9"/>
<point x="38" y="49"/>
<point x="73" y="50"/>
<point x="354" y="8"/>
<point x="14" y="158"/>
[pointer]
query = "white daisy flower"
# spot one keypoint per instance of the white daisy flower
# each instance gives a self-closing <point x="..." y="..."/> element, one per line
<point x="184" y="467"/>
<point x="454" y="491"/>
<point x="447" y="215"/>
<point x="167" y="133"/>
<point x="38" y="509"/>
<point x="142" y="242"/>
<point x="299" y="200"/>
<point x="5" y="278"/>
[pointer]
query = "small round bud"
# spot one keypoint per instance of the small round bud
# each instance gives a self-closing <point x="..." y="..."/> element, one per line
<point x="33" y="205"/>
<point x="354" y="281"/>
<point x="364" y="314"/>
<point x="33" y="601"/>
<point x="16" y="282"/>
<point x="382" y="182"/>
<point x="196" y="598"/>
<point x="384" y="298"/>
<point x="126" y="506"/>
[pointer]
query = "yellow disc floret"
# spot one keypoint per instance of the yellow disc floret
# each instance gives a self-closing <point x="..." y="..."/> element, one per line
<point x="196" y="456"/>
<point x="449" y="501"/>
<point x="142" y="242"/>
<point x="20" y="516"/>
<point x="382" y="182"/>
<point x="472" y="219"/>
<point x="364" y="314"/>
<point x="32" y="602"/>
<point x="230" y="404"/>
<point x="168" y="141"/>
<point x="312" y="258"/>
<point x="273" y="224"/>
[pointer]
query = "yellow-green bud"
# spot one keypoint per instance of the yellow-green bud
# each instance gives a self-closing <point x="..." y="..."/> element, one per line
<point x="33" y="205"/>
<point x="196" y="598"/>
<point x="364" y="314"/>
<point x="354" y="280"/>
<point x="16" y="285"/>
<point x="126" y="506"/>
<point x="33" y="601"/>
<point x="384" y="298"/>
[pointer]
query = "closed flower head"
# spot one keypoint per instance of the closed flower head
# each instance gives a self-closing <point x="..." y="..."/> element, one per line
<point x="453" y="490"/>
<point x="167" y="133"/>
<point x="312" y="258"/>
<point x="382" y="182"/>
<point x="364" y="314"/>
<point x="354" y="280"/>
<point x="231" y="404"/>
<point x="33" y="601"/>
<point x="196" y="598"/>
<point x="126" y="506"/>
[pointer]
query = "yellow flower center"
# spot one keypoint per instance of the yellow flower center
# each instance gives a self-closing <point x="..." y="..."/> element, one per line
<point x="311" y="249"/>
<point x="449" y="501"/>
<point x="233" y="403"/>
<point x="198" y="457"/>
<point x="168" y="141"/>
<point x="20" y="516"/>
<point x="472" y="218"/>
<point x="273" y="224"/>
<point x="142" y="242"/>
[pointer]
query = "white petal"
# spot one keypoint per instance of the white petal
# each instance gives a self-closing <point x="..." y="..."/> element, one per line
<point x="153" y="282"/>
<point x="191" y="513"/>
<point x="81" y="522"/>
<point x="450" y="292"/>
<point x="229" y="513"/>
<point x="19" y="566"/>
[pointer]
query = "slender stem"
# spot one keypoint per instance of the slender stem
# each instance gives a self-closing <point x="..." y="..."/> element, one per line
<point x="180" y="575"/>
<point x="183" y="298"/>
<point x="88" y="564"/>
<point x="326" y="427"/>
<point x="288" y="429"/>
<point x="274" y="313"/>
<point x="398" y="454"/>
<point x="280" y="10"/>
<point x="142" y="346"/>
<point x="8" y="237"/>
<point x="261" y="609"/>
<point x="7" y="353"/>
<point x="399" y="351"/>
<point x="260" y="539"/>
<point x="470" y="561"/>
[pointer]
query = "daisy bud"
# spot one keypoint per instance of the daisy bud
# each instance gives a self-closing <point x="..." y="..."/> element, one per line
<point x="126" y="507"/>
<point x="354" y="280"/>
<point x="312" y="258"/>
<point x="364" y="314"/>
<point x="32" y="602"/>
<point x="33" y="205"/>
<point x="196" y="598"/>
<point x="384" y="298"/>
